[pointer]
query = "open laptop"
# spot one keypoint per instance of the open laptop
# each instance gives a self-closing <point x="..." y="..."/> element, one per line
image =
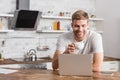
<point x="75" y="64"/>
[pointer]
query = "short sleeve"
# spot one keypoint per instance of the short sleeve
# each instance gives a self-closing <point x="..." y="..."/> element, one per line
<point x="97" y="44"/>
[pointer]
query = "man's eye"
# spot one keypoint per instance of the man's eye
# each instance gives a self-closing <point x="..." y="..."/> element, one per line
<point x="76" y="25"/>
<point x="83" y="25"/>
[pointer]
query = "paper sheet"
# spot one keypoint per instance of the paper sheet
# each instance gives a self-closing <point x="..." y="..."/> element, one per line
<point x="7" y="71"/>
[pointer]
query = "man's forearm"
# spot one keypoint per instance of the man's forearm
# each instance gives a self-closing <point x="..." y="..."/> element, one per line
<point x="55" y="64"/>
<point x="97" y="61"/>
<point x="55" y="60"/>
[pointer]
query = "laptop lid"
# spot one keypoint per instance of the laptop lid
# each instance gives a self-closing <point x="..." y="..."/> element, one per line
<point x="26" y="19"/>
<point x="75" y="64"/>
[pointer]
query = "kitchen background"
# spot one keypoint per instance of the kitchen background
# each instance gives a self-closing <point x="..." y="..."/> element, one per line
<point x="15" y="44"/>
<point x="18" y="43"/>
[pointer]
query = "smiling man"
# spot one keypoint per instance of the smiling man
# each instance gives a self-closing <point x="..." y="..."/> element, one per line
<point x="80" y="41"/>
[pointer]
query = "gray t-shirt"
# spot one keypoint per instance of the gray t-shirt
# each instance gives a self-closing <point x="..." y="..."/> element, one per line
<point x="91" y="44"/>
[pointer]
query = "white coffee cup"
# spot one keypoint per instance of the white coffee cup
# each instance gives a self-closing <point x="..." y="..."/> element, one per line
<point x="79" y="45"/>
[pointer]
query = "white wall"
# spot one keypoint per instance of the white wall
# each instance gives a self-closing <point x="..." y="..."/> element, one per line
<point x="17" y="47"/>
<point x="62" y="5"/>
<point x="109" y="10"/>
<point x="7" y="6"/>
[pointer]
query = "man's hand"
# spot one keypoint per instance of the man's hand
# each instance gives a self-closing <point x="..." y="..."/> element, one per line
<point x="71" y="49"/>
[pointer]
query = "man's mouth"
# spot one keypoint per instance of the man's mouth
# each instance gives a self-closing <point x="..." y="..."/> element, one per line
<point x="79" y="33"/>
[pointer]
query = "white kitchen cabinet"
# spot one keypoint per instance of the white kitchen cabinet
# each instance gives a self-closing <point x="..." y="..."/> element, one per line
<point x="110" y="66"/>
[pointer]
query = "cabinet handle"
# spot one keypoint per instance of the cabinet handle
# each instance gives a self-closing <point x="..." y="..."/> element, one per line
<point x="112" y="63"/>
<point x="112" y="68"/>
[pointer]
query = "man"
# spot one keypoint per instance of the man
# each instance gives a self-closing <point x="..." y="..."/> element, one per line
<point x="91" y="41"/>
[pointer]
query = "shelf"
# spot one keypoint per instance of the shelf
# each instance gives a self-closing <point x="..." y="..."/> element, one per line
<point x="6" y="15"/>
<point x="5" y="31"/>
<point x="69" y="18"/>
<point x="51" y="31"/>
<point x="58" y="31"/>
<point x="56" y="17"/>
<point x="96" y="19"/>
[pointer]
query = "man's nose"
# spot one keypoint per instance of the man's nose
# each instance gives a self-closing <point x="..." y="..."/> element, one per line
<point x="80" y="28"/>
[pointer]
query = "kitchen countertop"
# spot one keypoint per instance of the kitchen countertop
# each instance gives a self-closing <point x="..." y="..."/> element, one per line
<point x="111" y="59"/>
<point x="15" y="61"/>
<point x="38" y="74"/>
<point x="42" y="60"/>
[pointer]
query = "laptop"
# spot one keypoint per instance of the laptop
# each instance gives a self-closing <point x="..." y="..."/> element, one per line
<point x="75" y="64"/>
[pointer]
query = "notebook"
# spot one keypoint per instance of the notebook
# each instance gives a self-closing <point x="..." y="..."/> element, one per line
<point x="75" y="64"/>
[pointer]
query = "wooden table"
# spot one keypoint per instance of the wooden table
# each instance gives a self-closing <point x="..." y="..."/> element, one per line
<point x="37" y="74"/>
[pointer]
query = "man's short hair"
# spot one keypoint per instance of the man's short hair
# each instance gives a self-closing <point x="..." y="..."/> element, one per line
<point x="80" y="15"/>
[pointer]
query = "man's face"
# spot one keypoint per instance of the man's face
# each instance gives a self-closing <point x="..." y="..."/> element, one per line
<point x="79" y="28"/>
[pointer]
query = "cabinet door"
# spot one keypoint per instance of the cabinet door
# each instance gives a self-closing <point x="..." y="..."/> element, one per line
<point x="110" y="66"/>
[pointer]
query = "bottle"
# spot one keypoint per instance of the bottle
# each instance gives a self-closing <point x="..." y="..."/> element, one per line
<point x="58" y="25"/>
<point x="55" y="25"/>
<point x="1" y="58"/>
<point x="61" y="13"/>
<point x="0" y="24"/>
